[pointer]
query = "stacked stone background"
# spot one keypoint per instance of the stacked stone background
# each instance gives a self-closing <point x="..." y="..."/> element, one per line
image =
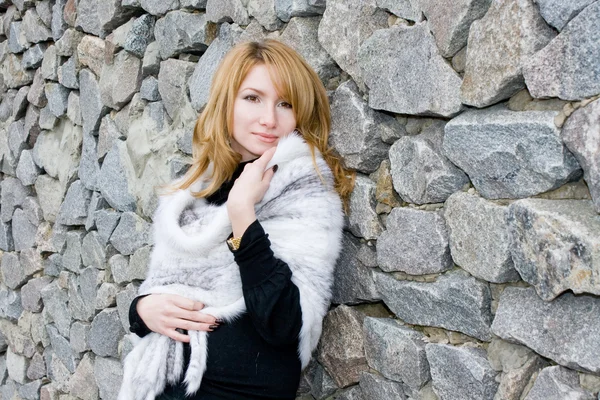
<point x="471" y="267"/>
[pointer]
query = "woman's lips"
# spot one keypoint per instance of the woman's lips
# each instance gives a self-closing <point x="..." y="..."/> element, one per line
<point x="266" y="138"/>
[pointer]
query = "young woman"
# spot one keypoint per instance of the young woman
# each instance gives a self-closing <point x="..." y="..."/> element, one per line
<point x="246" y="242"/>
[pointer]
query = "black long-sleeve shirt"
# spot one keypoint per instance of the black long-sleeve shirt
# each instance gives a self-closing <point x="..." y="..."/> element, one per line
<point x="255" y="356"/>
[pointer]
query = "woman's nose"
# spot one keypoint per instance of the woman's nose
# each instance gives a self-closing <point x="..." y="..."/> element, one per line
<point x="268" y="117"/>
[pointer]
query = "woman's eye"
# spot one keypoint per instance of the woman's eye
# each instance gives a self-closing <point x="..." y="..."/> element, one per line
<point x="251" y="98"/>
<point x="285" y="104"/>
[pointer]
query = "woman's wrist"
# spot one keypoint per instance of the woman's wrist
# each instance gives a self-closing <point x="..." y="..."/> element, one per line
<point x="241" y="220"/>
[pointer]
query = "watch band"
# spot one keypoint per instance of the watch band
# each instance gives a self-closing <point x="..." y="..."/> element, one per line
<point x="234" y="243"/>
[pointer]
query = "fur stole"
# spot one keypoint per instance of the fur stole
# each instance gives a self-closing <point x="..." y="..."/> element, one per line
<point x="302" y="215"/>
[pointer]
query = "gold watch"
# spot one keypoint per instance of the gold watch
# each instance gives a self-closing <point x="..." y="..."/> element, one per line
<point x="234" y="243"/>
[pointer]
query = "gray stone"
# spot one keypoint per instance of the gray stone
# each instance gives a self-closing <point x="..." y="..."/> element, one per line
<point x="149" y="90"/>
<point x="342" y="345"/>
<point x="396" y="351"/>
<point x="172" y="80"/>
<point x="13" y="275"/>
<point x="83" y="290"/>
<point x="287" y="9"/>
<point x="6" y="107"/>
<point x="90" y="52"/>
<point x="100" y="17"/>
<point x="31" y="293"/>
<point x="322" y="384"/>
<point x="53" y="265"/>
<point x="13" y="72"/>
<point x="421" y="173"/>
<point x="106" y="296"/>
<point x="49" y="68"/>
<point x="415" y="242"/>
<point x="479" y="240"/>
<point x="108" y="134"/>
<point x="59" y="24"/>
<point x="159" y="7"/>
<point x="72" y="255"/>
<point x="121" y="80"/>
<point x="363" y="221"/>
<point x="6" y="240"/>
<point x="109" y="374"/>
<point x="200" y="81"/>
<point x="193" y="4"/>
<point x="17" y="42"/>
<point x="57" y="372"/>
<point x="124" y="299"/>
<point x="31" y="390"/>
<point x="34" y="56"/>
<point x="20" y="103"/>
<point x="522" y="317"/>
<point x="32" y="124"/>
<point x="353" y="277"/>
<point x="58" y="97"/>
<point x="119" y="268"/>
<point x="50" y="193"/>
<point x="67" y="73"/>
<point x="44" y="11"/>
<point x="510" y="154"/>
<point x="343" y="29"/>
<point x="79" y="336"/>
<point x="10" y="304"/>
<point x="83" y="384"/>
<point x="93" y="252"/>
<point x="105" y="334"/>
<point x="96" y="203"/>
<point x="581" y="135"/>
<point x="184" y="144"/>
<point x="74" y="108"/>
<point x="378" y="388"/>
<point x="35" y="30"/>
<point x="264" y="12"/>
<point x="90" y="95"/>
<point x="416" y="81"/>
<point x="23" y="231"/>
<point x="455" y="301"/>
<point x="558" y="383"/>
<point x="151" y="61"/>
<point x="141" y="33"/>
<point x="558" y="13"/>
<point x="450" y="21"/>
<point x="61" y="348"/>
<point x="552" y="244"/>
<point x="138" y="263"/>
<point x="407" y="9"/>
<point x="37" y="367"/>
<point x="461" y="372"/>
<point x="227" y="11"/>
<point x="562" y="68"/>
<point x="17" y="137"/>
<point x="36" y="94"/>
<point x="89" y="168"/>
<point x="74" y="208"/>
<point x="16" y="366"/>
<point x="31" y="261"/>
<point x="179" y="32"/>
<point x="13" y="196"/>
<point x="27" y="171"/>
<point x="499" y="43"/>
<point x="116" y="178"/>
<point x="58" y="151"/>
<point x="131" y="234"/>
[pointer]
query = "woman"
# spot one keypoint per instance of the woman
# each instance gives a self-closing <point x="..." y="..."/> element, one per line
<point x="246" y="243"/>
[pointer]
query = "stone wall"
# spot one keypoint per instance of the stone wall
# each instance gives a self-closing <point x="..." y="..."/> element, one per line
<point x="471" y="267"/>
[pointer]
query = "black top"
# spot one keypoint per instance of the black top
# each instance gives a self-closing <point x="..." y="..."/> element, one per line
<point x="255" y="356"/>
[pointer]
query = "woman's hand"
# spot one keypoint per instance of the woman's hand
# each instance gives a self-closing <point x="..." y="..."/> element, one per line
<point x="164" y="313"/>
<point x="248" y="190"/>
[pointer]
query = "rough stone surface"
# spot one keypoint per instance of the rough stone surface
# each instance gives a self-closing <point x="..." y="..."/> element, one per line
<point x="558" y="13"/>
<point x="17" y="42"/>
<point x="16" y="366"/>
<point x="58" y="151"/>
<point x="450" y="22"/>
<point x="564" y="330"/>
<point x="23" y="231"/>
<point x="131" y="234"/>
<point x="58" y="97"/>
<point x="581" y="135"/>
<point x="379" y="388"/>
<point x="50" y="194"/>
<point x="558" y="383"/>
<point x="151" y="61"/>
<point x="90" y="52"/>
<point x="107" y="136"/>
<point x="396" y="351"/>
<point x="61" y="348"/>
<point x="72" y="255"/>
<point x="115" y="178"/>
<point x="149" y="89"/>
<point x="74" y="108"/>
<point x="415" y="242"/>
<point x="93" y="252"/>
<point x="10" y="304"/>
<point x="344" y="28"/>
<point x="407" y="9"/>
<point x="6" y="240"/>
<point x="74" y="208"/>
<point x="562" y="69"/>
<point x="264" y="12"/>
<point x="227" y="11"/>
<point x="353" y="277"/>
<point x="172" y="80"/>
<point x="140" y="35"/>
<point x="121" y="80"/>
<point x="286" y="9"/>
<point x="67" y="45"/>
<point x="461" y="372"/>
<point x="33" y="57"/>
<point x="79" y="336"/>
<point x="510" y="154"/>
<point x="180" y="32"/>
<point x="454" y="301"/>
<point x="109" y="374"/>
<point x="13" y="196"/>
<point x="83" y="290"/>
<point x="159" y="7"/>
<point x="31" y="293"/>
<point x="124" y="299"/>
<point x="67" y="73"/>
<point x="479" y="240"/>
<point x="13" y="72"/>
<point x="342" y="345"/>
<point x="90" y="95"/>
<point x="554" y="245"/>
<point x="105" y="333"/>
<point x="499" y="44"/>
<point x="421" y="172"/>
<point x="49" y="68"/>
<point x="363" y="220"/>
<point x="83" y="383"/>
<point x="27" y="171"/>
<point x="36" y="94"/>
<point x="356" y="130"/>
<point x="13" y="275"/>
<point x="59" y="23"/>
<point x="100" y="17"/>
<point x="89" y="168"/>
<point x="199" y="83"/>
<point x="37" y="367"/>
<point x="34" y="28"/>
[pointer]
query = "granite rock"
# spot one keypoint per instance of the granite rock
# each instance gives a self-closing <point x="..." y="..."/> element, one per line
<point x="119" y="268"/>
<point x="455" y="301"/>
<point x="10" y="304"/>
<point x="31" y="294"/>
<point x="73" y="210"/>
<point x="116" y="178"/>
<point x="90" y="52"/>
<point x="79" y="336"/>
<point x="83" y="384"/>
<point x="13" y="275"/>
<point x="124" y="299"/>
<point x="121" y="80"/>
<point x="558" y="13"/>
<point x="149" y="89"/>
<point x="71" y="259"/>
<point x="396" y="351"/>
<point x="108" y="134"/>
<point x="37" y="367"/>
<point x="34" y="28"/>
<point x="105" y="333"/>
<point x="17" y="42"/>
<point x="151" y="61"/>
<point x="131" y="233"/>
<point x="141" y="33"/>
<point x="499" y="44"/>
<point x="344" y="28"/>
<point x="479" y="239"/>
<point x="6" y="240"/>
<point x="363" y="221"/>
<point x="14" y="194"/>
<point x="13" y="72"/>
<point x="287" y="9"/>
<point x="461" y="372"/>
<point x="356" y="129"/>
<point x="264" y="12"/>
<point x="23" y="231"/>
<point x="322" y="384"/>
<point x="510" y="154"/>
<point x="27" y="171"/>
<point x="415" y="242"/>
<point x="179" y="32"/>
<point x="90" y="94"/>
<point x="58" y="97"/>
<point x="83" y="289"/>
<point x="553" y="245"/>
<point x="193" y="4"/>
<point x="67" y="73"/>
<point x="406" y="9"/>
<point x="379" y="388"/>
<point x="523" y="317"/>
<point x="220" y="11"/>
<point x="16" y="365"/>
<point x="36" y="94"/>
<point x="55" y="305"/>
<point x="20" y="103"/>
<point x="93" y="252"/>
<point x="109" y="374"/>
<point x="33" y="57"/>
<point x="89" y="168"/>
<point x="172" y="80"/>
<point x="406" y="73"/>
<point x="50" y="193"/>
<point x="159" y="7"/>
<point x="99" y="17"/>
<point x="61" y="348"/>
<point x="17" y="137"/>
<point x="58" y="150"/>
<point x="581" y="135"/>
<point x="59" y="23"/>
<point x="49" y="68"/>
<point x="558" y="383"/>
<point x="74" y="108"/>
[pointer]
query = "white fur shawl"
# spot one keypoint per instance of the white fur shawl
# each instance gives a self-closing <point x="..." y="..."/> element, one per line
<point x="302" y="215"/>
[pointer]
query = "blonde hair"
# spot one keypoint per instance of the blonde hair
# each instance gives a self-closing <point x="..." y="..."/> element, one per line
<point x="294" y="80"/>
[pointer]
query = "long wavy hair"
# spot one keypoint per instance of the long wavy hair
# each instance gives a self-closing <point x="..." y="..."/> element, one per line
<point x="296" y="82"/>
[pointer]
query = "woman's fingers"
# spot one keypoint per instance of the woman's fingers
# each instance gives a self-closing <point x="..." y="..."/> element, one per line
<point x="195" y="316"/>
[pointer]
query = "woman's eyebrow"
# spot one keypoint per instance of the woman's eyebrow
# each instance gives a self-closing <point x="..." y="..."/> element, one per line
<point x="254" y="90"/>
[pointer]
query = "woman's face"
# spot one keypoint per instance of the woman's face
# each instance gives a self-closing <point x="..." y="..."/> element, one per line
<point x="260" y="116"/>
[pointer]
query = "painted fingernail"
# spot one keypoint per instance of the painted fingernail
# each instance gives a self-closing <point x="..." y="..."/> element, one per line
<point x="213" y="326"/>
<point x="219" y="321"/>
<point x="275" y="168"/>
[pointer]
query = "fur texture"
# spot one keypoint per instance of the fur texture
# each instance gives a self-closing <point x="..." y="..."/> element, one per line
<point x="302" y="215"/>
